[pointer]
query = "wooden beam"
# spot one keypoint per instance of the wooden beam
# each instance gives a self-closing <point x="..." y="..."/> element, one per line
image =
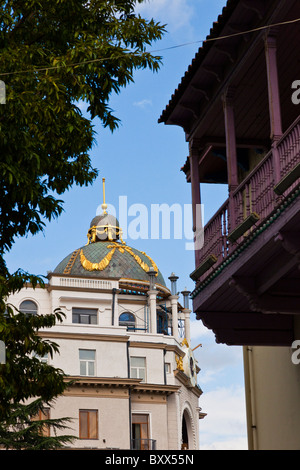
<point x="249" y="328"/>
<point x="202" y="91"/>
<point x="265" y="303"/>
<point x="217" y="72"/>
<point x="229" y="51"/>
<point x="255" y="5"/>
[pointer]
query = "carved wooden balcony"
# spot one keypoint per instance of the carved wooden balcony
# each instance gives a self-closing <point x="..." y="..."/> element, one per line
<point x="252" y="203"/>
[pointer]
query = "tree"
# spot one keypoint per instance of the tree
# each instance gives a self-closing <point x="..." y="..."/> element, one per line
<point x="23" y="429"/>
<point x="55" y="53"/>
<point x="27" y="384"/>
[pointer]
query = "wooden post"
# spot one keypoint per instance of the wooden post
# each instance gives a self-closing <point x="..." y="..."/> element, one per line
<point x="196" y="196"/>
<point x="273" y="87"/>
<point x="274" y="100"/>
<point x="231" y="154"/>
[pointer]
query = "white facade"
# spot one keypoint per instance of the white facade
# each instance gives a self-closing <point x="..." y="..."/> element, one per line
<point x="108" y="381"/>
<point x="134" y="387"/>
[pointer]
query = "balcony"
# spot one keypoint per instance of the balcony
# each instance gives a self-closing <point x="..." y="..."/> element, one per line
<point x="143" y="444"/>
<point x="252" y="203"/>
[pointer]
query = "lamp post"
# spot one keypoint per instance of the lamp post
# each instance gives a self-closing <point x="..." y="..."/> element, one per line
<point x="186" y="294"/>
<point x="173" y="278"/>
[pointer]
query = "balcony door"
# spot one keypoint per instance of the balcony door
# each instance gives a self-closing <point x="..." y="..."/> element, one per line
<point x="140" y="431"/>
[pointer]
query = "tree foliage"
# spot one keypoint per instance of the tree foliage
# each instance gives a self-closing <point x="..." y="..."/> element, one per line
<point x="24" y="376"/>
<point x="24" y="429"/>
<point x="28" y="384"/>
<point x="55" y="53"/>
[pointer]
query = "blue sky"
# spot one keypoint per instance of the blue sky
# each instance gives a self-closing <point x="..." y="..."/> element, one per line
<point x="141" y="162"/>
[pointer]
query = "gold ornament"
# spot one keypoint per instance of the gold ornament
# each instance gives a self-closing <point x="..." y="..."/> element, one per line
<point x="179" y="362"/>
<point x="89" y="266"/>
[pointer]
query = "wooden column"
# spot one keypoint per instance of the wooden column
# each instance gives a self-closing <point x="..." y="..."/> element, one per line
<point x="273" y="87"/>
<point x="231" y="154"/>
<point x="274" y="99"/>
<point x="196" y="196"/>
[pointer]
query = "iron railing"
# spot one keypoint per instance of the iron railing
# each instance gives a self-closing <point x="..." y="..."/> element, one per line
<point x="143" y="444"/>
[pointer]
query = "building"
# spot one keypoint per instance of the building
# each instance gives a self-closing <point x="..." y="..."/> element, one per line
<point x="125" y="344"/>
<point x="238" y="105"/>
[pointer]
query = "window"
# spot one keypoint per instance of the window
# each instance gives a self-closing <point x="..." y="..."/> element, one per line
<point x="140" y="432"/>
<point x="41" y="415"/>
<point x="29" y="307"/>
<point x="88" y="424"/>
<point x="138" y="368"/>
<point x="86" y="316"/>
<point x="168" y="368"/>
<point x="127" y="319"/>
<point x="87" y="361"/>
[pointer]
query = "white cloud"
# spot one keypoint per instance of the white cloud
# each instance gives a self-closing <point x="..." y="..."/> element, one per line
<point x="224" y="427"/>
<point x="198" y="330"/>
<point x="143" y="103"/>
<point x="222" y="381"/>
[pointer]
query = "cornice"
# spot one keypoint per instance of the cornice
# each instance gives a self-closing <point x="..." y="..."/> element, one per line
<point x="84" y="336"/>
<point x="166" y="347"/>
<point x="116" y="387"/>
<point x="184" y="379"/>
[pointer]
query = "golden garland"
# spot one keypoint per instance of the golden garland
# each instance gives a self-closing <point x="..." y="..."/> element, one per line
<point x="86" y="264"/>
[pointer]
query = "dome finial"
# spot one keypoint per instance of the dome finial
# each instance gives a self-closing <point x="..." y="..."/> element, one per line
<point x="104" y="205"/>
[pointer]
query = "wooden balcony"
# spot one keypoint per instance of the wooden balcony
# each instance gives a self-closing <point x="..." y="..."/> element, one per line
<point x="252" y="203"/>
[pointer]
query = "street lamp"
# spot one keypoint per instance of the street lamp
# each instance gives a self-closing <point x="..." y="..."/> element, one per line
<point x="152" y="273"/>
<point x="173" y="278"/>
<point x="186" y="294"/>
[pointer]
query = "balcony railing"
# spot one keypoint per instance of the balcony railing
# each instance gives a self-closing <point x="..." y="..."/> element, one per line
<point x="143" y="444"/>
<point x="251" y="202"/>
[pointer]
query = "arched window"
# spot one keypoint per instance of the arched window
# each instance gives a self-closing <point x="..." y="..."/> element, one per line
<point x="29" y="307"/>
<point x="127" y="319"/>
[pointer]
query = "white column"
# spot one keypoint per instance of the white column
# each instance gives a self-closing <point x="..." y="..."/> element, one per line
<point x="152" y="301"/>
<point x="115" y="306"/>
<point x="187" y="325"/>
<point x="174" y="307"/>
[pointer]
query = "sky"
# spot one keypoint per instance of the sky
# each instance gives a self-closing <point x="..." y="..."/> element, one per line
<point x="141" y="163"/>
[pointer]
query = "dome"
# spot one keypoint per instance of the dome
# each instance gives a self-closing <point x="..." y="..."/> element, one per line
<point x="104" y="227"/>
<point x="106" y="259"/>
<point x="107" y="256"/>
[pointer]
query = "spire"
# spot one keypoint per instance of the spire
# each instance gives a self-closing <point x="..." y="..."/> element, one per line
<point x="104" y="205"/>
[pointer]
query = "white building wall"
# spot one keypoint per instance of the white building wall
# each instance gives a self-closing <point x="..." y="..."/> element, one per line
<point x="113" y="420"/>
<point x="158" y="421"/>
<point x="111" y="343"/>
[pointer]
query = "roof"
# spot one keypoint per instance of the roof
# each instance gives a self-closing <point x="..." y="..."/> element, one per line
<point x="215" y="31"/>
<point x="109" y="259"/>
